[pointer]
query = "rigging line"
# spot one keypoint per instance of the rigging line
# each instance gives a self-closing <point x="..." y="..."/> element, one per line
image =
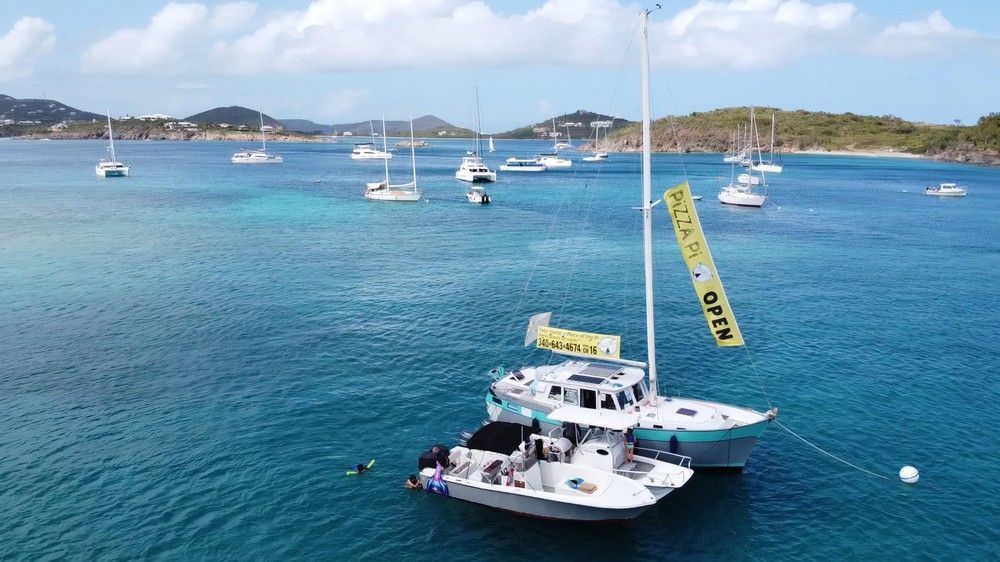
<point x="672" y="123"/>
<point x="756" y="372"/>
<point x="827" y="453"/>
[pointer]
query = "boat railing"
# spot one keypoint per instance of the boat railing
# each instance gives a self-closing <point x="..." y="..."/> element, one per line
<point x="672" y="458"/>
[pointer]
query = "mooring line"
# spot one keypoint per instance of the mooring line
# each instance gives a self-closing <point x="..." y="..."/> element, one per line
<point x="827" y="453"/>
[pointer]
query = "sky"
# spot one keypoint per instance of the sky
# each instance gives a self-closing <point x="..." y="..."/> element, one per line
<point x="337" y="61"/>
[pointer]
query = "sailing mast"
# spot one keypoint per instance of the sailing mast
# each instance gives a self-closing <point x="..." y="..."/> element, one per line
<point x="772" y="138"/>
<point x="111" y="135"/>
<point x="479" y="125"/>
<point x="385" y="150"/>
<point x="413" y="159"/>
<point x="263" y="143"/>
<point x="647" y="211"/>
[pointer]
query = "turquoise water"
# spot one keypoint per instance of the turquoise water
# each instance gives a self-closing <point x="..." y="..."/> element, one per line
<point x="190" y="358"/>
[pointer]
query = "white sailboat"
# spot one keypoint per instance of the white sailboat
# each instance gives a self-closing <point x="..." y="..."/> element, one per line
<point x="368" y="150"/>
<point x="713" y="434"/>
<point x="110" y="167"/>
<point x="556" y="143"/>
<point x="383" y="190"/>
<point x="254" y="156"/>
<point x="473" y="169"/>
<point x="599" y="155"/>
<point x="770" y="166"/>
<point x="740" y="190"/>
<point x="492" y="148"/>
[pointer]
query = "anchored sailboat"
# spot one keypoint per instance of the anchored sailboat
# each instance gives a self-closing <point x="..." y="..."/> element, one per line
<point x="713" y="434"/>
<point x="111" y="168"/>
<point x="473" y="169"/>
<point x="383" y="190"/>
<point x="770" y="166"/>
<point x="253" y="156"/>
<point x="740" y="191"/>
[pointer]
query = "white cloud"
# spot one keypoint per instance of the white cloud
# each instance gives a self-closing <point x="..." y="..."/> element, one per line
<point x="327" y="35"/>
<point x="174" y="40"/>
<point x="934" y="36"/>
<point x="29" y="39"/>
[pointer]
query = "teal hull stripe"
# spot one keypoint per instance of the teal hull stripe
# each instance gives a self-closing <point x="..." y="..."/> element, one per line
<point x="683" y="436"/>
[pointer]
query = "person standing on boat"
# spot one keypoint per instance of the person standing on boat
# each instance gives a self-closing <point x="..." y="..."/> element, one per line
<point x="629" y="445"/>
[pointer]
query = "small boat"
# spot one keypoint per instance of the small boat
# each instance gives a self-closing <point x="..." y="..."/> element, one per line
<point x="478" y="196"/>
<point x="556" y="143"/>
<point x="110" y="167"/>
<point x="498" y="470"/>
<point x="254" y="156"/>
<point x="770" y="166"/>
<point x="696" y="197"/>
<point x="551" y="160"/>
<point x="383" y="190"/>
<point x="473" y="169"/>
<point x="522" y="165"/>
<point x="413" y="144"/>
<point x="492" y="148"/>
<point x="599" y="155"/>
<point x="368" y="150"/>
<point x="602" y="445"/>
<point x="946" y="190"/>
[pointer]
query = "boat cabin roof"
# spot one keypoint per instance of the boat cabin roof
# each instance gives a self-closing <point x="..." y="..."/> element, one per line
<point x="607" y="419"/>
<point x="596" y="375"/>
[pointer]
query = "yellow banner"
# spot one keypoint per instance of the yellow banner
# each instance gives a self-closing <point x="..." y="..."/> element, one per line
<point x="601" y="346"/>
<point x="697" y="256"/>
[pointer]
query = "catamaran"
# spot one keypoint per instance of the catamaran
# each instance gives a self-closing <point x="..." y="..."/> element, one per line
<point x="383" y="190"/>
<point x="253" y="156"/>
<point x="368" y="150"/>
<point x="558" y="144"/>
<point x="713" y="434"/>
<point x="770" y="166"/>
<point x="473" y="169"/>
<point x="514" y="164"/>
<point x="110" y="167"/>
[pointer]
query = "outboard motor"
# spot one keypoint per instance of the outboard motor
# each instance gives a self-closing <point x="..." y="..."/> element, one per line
<point x="438" y="454"/>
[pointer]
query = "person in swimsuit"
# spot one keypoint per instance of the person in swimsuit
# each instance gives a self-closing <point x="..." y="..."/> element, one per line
<point x="412" y="483"/>
<point x="629" y="445"/>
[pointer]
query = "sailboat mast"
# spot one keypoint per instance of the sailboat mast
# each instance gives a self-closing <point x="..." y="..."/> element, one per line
<point x="111" y="134"/>
<point x="385" y="152"/>
<point x="479" y="125"/>
<point x="647" y="211"/>
<point x="413" y="156"/>
<point x="263" y="142"/>
<point x="772" y="138"/>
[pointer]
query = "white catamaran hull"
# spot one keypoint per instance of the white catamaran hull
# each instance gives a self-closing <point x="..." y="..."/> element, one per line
<point x="476" y="177"/>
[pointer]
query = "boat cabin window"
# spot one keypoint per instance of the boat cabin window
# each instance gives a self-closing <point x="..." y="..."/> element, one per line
<point x="589" y="398"/>
<point x="555" y="393"/>
<point x="572" y="396"/>
<point x="637" y="391"/>
<point x="607" y="402"/>
<point x="623" y="400"/>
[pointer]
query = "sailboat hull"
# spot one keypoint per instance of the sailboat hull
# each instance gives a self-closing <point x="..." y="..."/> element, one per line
<point x="111" y="172"/>
<point x="720" y="449"/>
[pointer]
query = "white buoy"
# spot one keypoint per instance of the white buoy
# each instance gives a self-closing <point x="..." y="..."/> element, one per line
<point x="909" y="475"/>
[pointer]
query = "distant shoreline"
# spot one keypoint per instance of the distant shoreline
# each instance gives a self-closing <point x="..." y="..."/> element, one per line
<point x="865" y="153"/>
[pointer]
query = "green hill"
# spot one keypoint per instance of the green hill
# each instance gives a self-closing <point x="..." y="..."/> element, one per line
<point x="813" y="130"/>
<point x="43" y="111"/>
<point x="234" y="115"/>
<point x="578" y="124"/>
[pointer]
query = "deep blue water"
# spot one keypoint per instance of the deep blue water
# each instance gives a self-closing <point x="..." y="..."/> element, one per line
<point x="190" y="358"/>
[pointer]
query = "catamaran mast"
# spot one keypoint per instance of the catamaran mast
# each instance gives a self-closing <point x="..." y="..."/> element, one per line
<point x="385" y="151"/>
<point x="413" y="158"/>
<point x="479" y="125"/>
<point x="263" y="143"/>
<point x="111" y="135"/>
<point x="647" y="211"/>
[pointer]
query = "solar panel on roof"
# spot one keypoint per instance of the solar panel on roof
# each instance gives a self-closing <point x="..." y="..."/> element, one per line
<point x="599" y="370"/>
<point x="586" y="379"/>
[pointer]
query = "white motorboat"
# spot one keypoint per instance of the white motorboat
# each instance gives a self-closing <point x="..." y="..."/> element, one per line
<point x="473" y="169"/>
<point x="497" y="470"/>
<point x="478" y="196"/>
<point x="551" y="161"/>
<point x="110" y="167"/>
<point x="596" y="157"/>
<point x="254" y="156"/>
<point x="385" y="191"/>
<point x="714" y="434"/>
<point x="946" y="190"/>
<point x="602" y="446"/>
<point x="368" y="150"/>
<point x="522" y="165"/>
<point x="741" y="195"/>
